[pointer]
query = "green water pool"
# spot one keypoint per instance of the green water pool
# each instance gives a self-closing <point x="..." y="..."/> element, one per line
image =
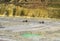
<point x="27" y="35"/>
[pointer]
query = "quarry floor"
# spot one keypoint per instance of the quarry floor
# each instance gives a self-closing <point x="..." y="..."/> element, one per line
<point x="12" y="28"/>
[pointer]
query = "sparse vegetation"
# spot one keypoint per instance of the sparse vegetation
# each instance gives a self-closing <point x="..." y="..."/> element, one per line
<point x="16" y="10"/>
<point x="54" y="5"/>
<point x="54" y="14"/>
<point x="22" y="13"/>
